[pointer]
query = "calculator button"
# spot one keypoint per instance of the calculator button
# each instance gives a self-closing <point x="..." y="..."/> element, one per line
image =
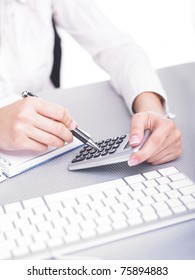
<point x="78" y="159"/>
<point x="111" y="143"/>
<point x="108" y="148"/>
<point x="115" y="138"/>
<point x="89" y="156"/>
<point x="112" y="151"/>
<point x="104" y="153"/>
<point x="100" y="142"/>
<point x="89" y="148"/>
<point x="97" y="155"/>
<point x="119" y="141"/>
<point x="107" y="140"/>
<point x="93" y="151"/>
<point x="123" y="136"/>
<point x="78" y="155"/>
<point x="116" y="146"/>
<point x="103" y="145"/>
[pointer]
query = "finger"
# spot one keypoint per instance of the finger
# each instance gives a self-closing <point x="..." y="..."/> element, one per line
<point x="45" y="138"/>
<point x="138" y="125"/>
<point x="30" y="145"/>
<point x="171" y="152"/>
<point x="53" y="111"/>
<point x="153" y="144"/>
<point x="53" y="127"/>
<point x="167" y="158"/>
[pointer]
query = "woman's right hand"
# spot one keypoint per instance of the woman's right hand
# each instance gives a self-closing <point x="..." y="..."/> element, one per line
<point x="34" y="124"/>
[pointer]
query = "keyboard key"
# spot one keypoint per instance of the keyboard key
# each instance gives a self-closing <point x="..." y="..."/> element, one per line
<point x="135" y="179"/>
<point x="150" y="217"/>
<point x="137" y="194"/>
<point x="134" y="221"/>
<point x="188" y="190"/>
<point x="186" y="199"/>
<point x="180" y="184"/>
<point x="168" y="171"/>
<point x="160" y="197"/>
<point x="91" y="214"/>
<point x="29" y="230"/>
<point x="179" y="209"/>
<point x="119" y="225"/>
<point x="38" y="247"/>
<point x="132" y="213"/>
<point x="173" y="194"/>
<point x="110" y="201"/>
<point x="163" y="180"/>
<point x="88" y="233"/>
<point x="177" y="176"/>
<point x="150" y="183"/>
<point x="13" y="207"/>
<point x="150" y="191"/>
<point x="151" y="175"/>
<point x="81" y="208"/>
<point x="117" y="217"/>
<point x="70" y="238"/>
<point x="119" y="207"/>
<point x="104" y="229"/>
<point x="146" y="209"/>
<point x="25" y="241"/>
<point x="30" y="203"/>
<point x="12" y="234"/>
<point x="165" y="213"/>
<point x="111" y="192"/>
<point x="5" y="254"/>
<point x="160" y="206"/>
<point x="55" y="242"/>
<point x="90" y="224"/>
<point x="56" y="232"/>
<point x="137" y="186"/>
<point x="191" y="205"/>
<point x="175" y="202"/>
<point x="147" y="200"/>
<point x="20" y="251"/>
<point x="163" y="188"/>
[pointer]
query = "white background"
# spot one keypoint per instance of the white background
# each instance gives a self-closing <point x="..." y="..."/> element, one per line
<point x="164" y="28"/>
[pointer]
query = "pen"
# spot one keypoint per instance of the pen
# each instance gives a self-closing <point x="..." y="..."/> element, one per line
<point x="78" y="133"/>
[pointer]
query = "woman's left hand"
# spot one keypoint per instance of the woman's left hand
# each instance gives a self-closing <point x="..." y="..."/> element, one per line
<point x="164" y="143"/>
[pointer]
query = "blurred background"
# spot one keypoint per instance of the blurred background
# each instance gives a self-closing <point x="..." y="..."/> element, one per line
<point x="165" y="29"/>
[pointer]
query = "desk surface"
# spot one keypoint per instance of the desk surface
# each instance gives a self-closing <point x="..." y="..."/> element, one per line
<point x="90" y="105"/>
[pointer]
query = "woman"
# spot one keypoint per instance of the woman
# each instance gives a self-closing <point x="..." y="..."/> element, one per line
<point x="26" y="57"/>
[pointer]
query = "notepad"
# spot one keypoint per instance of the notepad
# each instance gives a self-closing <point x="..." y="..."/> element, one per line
<point x="15" y="162"/>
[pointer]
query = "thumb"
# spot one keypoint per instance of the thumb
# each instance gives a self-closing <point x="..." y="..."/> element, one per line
<point x="137" y="129"/>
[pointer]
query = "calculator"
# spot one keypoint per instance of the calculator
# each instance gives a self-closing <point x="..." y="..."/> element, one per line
<point x="112" y="150"/>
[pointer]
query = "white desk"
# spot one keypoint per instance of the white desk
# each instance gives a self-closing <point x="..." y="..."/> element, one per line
<point x="90" y="106"/>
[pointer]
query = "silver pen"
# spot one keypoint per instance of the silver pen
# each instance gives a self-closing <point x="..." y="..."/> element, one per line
<point x="78" y="133"/>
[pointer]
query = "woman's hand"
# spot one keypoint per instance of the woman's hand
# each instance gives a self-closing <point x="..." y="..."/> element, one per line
<point x="164" y="143"/>
<point x="34" y="124"/>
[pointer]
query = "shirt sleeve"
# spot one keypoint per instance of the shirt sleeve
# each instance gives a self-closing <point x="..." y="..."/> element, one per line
<point x="115" y="51"/>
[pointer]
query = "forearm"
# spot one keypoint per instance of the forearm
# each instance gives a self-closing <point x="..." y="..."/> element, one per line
<point x="148" y="101"/>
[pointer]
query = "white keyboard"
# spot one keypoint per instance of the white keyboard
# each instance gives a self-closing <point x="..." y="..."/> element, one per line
<point x="73" y="220"/>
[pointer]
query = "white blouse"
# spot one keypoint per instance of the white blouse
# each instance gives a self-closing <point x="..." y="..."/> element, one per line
<point x="27" y="39"/>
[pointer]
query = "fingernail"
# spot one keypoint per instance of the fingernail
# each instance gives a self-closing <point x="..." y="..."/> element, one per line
<point x="72" y="125"/>
<point x="132" y="161"/>
<point x="134" y="139"/>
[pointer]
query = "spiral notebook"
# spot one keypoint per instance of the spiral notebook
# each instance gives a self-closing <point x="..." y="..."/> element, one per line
<point x="15" y="162"/>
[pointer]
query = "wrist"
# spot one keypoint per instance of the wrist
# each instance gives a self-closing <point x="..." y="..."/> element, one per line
<point x="148" y="101"/>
